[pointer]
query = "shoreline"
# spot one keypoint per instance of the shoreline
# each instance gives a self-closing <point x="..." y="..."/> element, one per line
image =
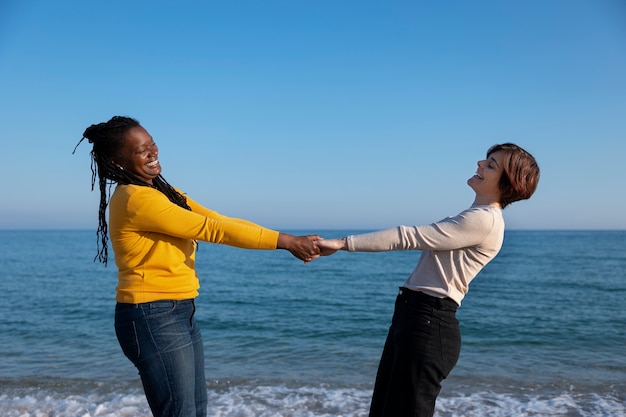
<point x="262" y="398"/>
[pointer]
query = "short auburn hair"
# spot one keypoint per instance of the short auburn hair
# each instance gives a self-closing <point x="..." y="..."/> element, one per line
<point x="521" y="173"/>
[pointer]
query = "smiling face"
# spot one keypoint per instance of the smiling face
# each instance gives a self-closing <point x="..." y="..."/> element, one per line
<point x="486" y="181"/>
<point x="139" y="154"/>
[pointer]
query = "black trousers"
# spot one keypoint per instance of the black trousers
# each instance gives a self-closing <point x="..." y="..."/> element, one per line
<point x="422" y="347"/>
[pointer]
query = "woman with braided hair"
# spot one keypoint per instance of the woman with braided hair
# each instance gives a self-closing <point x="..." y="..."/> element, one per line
<point x="154" y="229"/>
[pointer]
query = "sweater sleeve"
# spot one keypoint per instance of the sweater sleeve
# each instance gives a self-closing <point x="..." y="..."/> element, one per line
<point x="468" y="228"/>
<point x="200" y="209"/>
<point x="153" y="212"/>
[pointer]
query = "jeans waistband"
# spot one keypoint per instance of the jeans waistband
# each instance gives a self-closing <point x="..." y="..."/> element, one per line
<point x="124" y="306"/>
<point x="446" y="303"/>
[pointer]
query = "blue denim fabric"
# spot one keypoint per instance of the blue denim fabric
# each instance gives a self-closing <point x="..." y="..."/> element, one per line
<point x="163" y="341"/>
<point x="422" y="347"/>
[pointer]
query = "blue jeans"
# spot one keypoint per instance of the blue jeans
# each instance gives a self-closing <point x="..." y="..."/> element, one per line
<point x="422" y="347"/>
<point x="163" y="341"/>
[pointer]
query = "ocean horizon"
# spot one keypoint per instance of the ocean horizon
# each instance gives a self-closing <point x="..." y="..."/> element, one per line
<point x="543" y="329"/>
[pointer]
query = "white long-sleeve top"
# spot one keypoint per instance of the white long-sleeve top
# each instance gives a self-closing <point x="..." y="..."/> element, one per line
<point x="454" y="250"/>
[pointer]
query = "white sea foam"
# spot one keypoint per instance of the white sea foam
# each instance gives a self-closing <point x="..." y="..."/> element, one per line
<point x="283" y="401"/>
<point x="502" y="405"/>
<point x="45" y="404"/>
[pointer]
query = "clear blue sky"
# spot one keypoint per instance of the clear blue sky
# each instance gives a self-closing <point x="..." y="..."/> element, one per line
<point x="319" y="114"/>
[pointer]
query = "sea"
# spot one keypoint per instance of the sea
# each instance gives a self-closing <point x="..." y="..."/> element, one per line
<point x="543" y="328"/>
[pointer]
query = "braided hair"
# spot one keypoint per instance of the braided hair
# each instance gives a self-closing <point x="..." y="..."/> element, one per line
<point x="107" y="139"/>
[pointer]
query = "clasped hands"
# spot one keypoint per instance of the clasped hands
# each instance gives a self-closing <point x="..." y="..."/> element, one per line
<point x="307" y="248"/>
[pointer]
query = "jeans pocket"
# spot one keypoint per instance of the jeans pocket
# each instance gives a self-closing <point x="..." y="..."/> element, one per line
<point x="126" y="333"/>
<point x="157" y="308"/>
<point x="450" y="337"/>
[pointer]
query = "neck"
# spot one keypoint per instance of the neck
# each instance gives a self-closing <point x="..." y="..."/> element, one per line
<point x="487" y="201"/>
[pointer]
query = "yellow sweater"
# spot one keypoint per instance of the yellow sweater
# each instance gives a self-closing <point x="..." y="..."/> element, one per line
<point x="154" y="242"/>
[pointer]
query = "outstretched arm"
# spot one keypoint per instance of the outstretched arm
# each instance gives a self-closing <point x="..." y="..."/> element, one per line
<point x="302" y="247"/>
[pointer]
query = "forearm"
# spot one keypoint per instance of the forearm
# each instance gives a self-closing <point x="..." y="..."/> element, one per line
<point x="380" y="241"/>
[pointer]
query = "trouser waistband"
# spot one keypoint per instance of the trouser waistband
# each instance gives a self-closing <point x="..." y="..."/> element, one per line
<point x="446" y="303"/>
<point x="124" y="306"/>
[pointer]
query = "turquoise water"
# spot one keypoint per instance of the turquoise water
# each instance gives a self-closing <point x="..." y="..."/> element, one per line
<point x="544" y="329"/>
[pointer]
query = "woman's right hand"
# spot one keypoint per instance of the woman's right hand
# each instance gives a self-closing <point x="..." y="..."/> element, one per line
<point x="302" y="247"/>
